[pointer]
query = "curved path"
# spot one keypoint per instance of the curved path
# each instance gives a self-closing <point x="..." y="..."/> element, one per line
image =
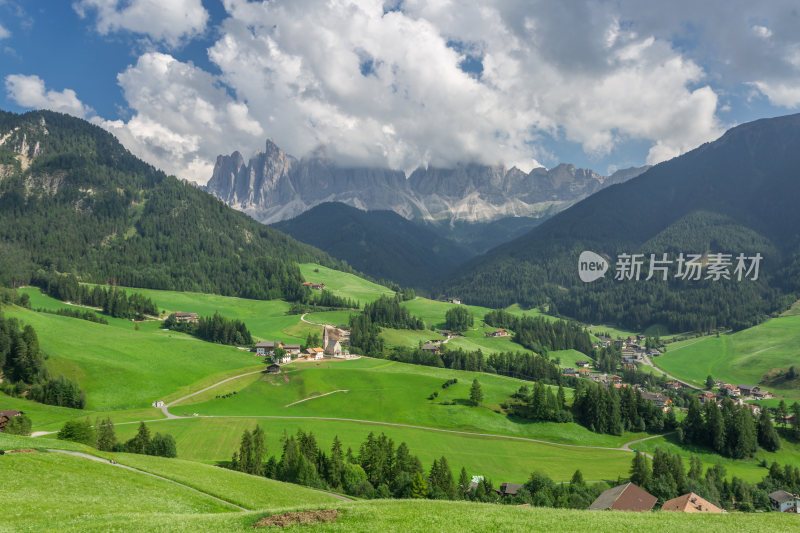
<point x="315" y="397"/>
<point x="239" y="507"/>
<point x="101" y="460"/>
<point x="648" y="362"/>
<point x="165" y="408"/>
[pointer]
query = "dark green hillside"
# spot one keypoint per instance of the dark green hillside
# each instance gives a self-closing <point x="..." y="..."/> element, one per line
<point x="737" y="194"/>
<point x="73" y="199"/>
<point x="382" y="244"/>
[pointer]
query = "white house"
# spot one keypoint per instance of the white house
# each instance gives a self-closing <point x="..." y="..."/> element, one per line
<point x="266" y="347"/>
<point x="158" y="404"/>
<point x="785" y="502"/>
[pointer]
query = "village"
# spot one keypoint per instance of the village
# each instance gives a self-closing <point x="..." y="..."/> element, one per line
<point x="335" y="343"/>
<point x="635" y="353"/>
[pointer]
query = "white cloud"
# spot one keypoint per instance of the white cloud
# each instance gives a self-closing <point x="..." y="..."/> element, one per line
<point x="4" y="33"/>
<point x="182" y="118"/>
<point x="30" y="91"/>
<point x="762" y="31"/>
<point x="780" y="94"/>
<point x="168" y="21"/>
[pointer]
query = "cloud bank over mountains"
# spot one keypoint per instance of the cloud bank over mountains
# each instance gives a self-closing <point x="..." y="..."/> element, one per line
<point x="409" y="83"/>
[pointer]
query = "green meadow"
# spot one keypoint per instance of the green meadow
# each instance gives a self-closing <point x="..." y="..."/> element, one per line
<point x="122" y="368"/>
<point x="740" y="358"/>
<point x="266" y="319"/>
<point x="386" y="391"/>
<point x="747" y="469"/>
<point x="344" y="284"/>
<point x="213" y="440"/>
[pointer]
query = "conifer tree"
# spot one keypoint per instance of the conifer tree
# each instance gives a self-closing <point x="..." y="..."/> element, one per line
<point x="476" y="394"/>
<point x="419" y="489"/>
<point x="641" y="474"/>
<point x="767" y="436"/>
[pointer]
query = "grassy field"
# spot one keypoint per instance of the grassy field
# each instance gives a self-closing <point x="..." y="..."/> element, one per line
<point x="567" y="358"/>
<point x="250" y="492"/>
<point x="739" y="358"/>
<point x="211" y="440"/>
<point x="433" y="312"/>
<point x="385" y="391"/>
<point x="88" y="489"/>
<point x="344" y="284"/>
<point x="122" y="368"/>
<point x="420" y="516"/>
<point x="266" y="319"/>
<point x="748" y="469"/>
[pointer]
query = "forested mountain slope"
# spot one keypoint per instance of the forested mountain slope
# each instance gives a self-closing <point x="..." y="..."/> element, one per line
<point x="73" y="199"/>
<point x="382" y="244"/>
<point x="735" y="195"/>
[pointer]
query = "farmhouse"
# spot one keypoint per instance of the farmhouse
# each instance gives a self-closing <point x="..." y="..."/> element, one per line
<point x="661" y="401"/>
<point x="431" y="347"/>
<point x="7" y="415"/>
<point x="314" y="286"/>
<point x="508" y="489"/>
<point x="707" y="397"/>
<point x="731" y="390"/>
<point x="158" y="404"/>
<point x="456" y="301"/>
<point x="570" y="372"/>
<point x="785" y="502"/>
<point x="498" y="333"/>
<point x="627" y="497"/>
<point x="690" y="503"/>
<point x="185" y="317"/>
<point x="293" y="349"/>
<point x="583" y="364"/>
<point x="273" y="369"/>
<point x="748" y="390"/>
<point x="762" y="394"/>
<point x="266" y="347"/>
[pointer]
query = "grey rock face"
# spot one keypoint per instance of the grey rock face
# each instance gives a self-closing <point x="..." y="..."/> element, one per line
<point x="275" y="186"/>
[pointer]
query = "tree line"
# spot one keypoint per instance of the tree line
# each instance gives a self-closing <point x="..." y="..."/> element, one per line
<point x="217" y="328"/>
<point x="23" y="368"/>
<point x="539" y="334"/>
<point x="614" y="411"/>
<point x="666" y="477"/>
<point x="103" y="437"/>
<point x="729" y="430"/>
<point x="113" y="301"/>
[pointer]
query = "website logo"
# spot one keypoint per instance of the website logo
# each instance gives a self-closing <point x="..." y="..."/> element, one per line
<point x="591" y="266"/>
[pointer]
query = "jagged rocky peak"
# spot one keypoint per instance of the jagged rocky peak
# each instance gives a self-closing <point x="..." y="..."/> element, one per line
<point x="274" y="186"/>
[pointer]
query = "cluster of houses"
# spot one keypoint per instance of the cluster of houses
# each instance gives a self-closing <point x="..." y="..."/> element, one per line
<point x="314" y="286"/>
<point x="7" y="415"/>
<point x="333" y="340"/>
<point x="630" y="497"/>
<point x="736" y="393"/>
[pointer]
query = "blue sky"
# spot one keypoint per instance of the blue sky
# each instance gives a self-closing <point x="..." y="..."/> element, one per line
<point x="602" y="85"/>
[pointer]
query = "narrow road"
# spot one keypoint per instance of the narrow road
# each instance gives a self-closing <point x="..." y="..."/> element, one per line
<point x="106" y="461"/>
<point x="648" y="362"/>
<point x="165" y="408"/>
<point x="624" y="448"/>
<point x="315" y="397"/>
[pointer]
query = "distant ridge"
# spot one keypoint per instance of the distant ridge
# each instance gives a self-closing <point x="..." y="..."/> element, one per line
<point x="274" y="186"/>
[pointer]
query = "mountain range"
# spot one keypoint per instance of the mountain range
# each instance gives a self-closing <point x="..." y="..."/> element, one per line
<point x="274" y="186"/>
